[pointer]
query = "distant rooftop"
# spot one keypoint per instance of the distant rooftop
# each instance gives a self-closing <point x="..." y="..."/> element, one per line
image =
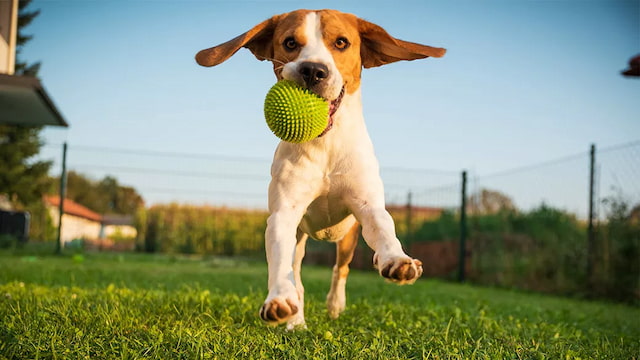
<point x="73" y="208"/>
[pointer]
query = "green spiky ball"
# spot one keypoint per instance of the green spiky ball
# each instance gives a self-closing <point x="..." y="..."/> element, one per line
<point x="295" y="114"/>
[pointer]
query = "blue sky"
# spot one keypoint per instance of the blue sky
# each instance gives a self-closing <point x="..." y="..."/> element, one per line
<point x="522" y="82"/>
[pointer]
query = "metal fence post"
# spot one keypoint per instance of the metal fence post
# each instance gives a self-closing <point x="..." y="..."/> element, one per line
<point x="63" y="190"/>
<point x="463" y="229"/>
<point x="591" y="235"/>
<point x="409" y="236"/>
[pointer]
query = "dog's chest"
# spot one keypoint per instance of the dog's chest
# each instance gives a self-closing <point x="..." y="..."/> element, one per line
<point x="327" y="219"/>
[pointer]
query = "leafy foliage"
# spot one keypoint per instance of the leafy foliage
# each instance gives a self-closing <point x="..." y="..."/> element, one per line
<point x="105" y="196"/>
<point x="618" y="250"/>
<point x="545" y="249"/>
<point x="21" y="178"/>
<point x="25" y="17"/>
<point x="447" y="226"/>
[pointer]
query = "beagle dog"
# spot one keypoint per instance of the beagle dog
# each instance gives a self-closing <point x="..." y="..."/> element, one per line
<point x="328" y="188"/>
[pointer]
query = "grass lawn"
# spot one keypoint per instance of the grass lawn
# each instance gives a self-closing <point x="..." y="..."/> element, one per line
<point x="140" y="306"/>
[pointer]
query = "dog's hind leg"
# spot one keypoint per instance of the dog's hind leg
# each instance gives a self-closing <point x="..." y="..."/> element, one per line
<point x="297" y="320"/>
<point x="336" y="298"/>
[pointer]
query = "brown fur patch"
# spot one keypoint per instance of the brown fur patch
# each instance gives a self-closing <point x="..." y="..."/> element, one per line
<point x="337" y="25"/>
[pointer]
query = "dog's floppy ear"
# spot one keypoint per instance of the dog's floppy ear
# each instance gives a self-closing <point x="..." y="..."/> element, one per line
<point x="258" y="40"/>
<point x="379" y="48"/>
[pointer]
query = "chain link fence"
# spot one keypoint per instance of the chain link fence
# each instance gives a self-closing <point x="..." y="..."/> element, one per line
<point x="525" y="228"/>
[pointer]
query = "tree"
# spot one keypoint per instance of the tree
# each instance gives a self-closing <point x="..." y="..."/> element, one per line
<point x="25" y="17"/>
<point x="82" y="190"/>
<point x="106" y="196"/>
<point x="489" y="202"/>
<point x="128" y="201"/>
<point x="23" y="180"/>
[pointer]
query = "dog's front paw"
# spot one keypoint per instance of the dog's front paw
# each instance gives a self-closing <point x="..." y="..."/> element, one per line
<point x="280" y="308"/>
<point x="398" y="269"/>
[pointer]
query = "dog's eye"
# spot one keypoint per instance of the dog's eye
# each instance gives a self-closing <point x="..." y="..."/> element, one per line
<point x="290" y="43"/>
<point x="341" y="43"/>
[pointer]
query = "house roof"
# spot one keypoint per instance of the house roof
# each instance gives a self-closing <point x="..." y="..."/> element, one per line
<point x="73" y="208"/>
<point x="24" y="101"/>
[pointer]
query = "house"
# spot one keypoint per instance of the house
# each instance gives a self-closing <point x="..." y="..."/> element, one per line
<point x="23" y="99"/>
<point x="78" y="222"/>
<point x="117" y="227"/>
<point x="114" y="232"/>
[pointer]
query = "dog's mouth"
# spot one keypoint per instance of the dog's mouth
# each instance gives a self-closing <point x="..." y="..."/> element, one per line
<point x="333" y="108"/>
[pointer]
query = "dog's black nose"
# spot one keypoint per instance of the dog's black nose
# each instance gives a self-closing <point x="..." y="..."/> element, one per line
<point x="313" y="73"/>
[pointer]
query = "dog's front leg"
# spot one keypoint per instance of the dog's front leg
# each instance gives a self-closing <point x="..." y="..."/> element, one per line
<point x="391" y="261"/>
<point x="283" y="300"/>
<point x="295" y="183"/>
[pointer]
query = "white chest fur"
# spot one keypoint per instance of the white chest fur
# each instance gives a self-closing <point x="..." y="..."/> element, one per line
<point x="333" y="173"/>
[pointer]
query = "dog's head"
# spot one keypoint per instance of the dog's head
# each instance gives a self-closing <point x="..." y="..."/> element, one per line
<point x="322" y="50"/>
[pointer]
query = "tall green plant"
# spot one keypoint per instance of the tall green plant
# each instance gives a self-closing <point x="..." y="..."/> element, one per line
<point x="177" y="228"/>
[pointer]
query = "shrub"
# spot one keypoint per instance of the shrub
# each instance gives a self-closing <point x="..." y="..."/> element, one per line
<point x="617" y="262"/>
<point x="446" y="227"/>
<point x="7" y="241"/>
<point x="543" y="249"/>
